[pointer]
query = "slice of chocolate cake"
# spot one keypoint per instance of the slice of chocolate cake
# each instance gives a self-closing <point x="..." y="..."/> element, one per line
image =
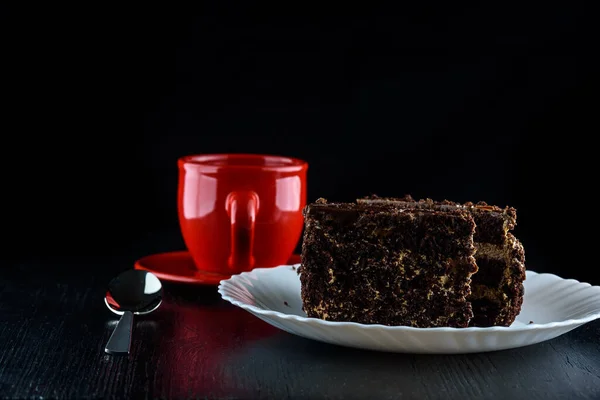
<point x="379" y="264"/>
<point x="497" y="288"/>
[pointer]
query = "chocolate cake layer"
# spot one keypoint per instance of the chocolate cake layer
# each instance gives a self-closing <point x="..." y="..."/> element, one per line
<point x="493" y="222"/>
<point x="378" y="264"/>
<point x="497" y="288"/>
<point x="498" y="285"/>
<point x="490" y="271"/>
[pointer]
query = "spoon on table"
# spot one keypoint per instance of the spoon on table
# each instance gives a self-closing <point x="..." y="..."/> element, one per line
<point x="132" y="292"/>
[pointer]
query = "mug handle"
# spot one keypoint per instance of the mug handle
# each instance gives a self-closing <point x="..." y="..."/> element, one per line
<point x="242" y="207"/>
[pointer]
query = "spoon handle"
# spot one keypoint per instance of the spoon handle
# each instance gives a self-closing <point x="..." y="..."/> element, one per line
<point x="120" y="340"/>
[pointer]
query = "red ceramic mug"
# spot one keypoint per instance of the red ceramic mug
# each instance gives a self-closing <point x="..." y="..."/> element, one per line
<point x="240" y="211"/>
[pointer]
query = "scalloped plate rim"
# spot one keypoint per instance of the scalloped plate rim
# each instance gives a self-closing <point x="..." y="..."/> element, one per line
<point x="399" y="328"/>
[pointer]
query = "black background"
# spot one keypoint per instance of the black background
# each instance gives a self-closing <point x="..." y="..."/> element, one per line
<point x="458" y="102"/>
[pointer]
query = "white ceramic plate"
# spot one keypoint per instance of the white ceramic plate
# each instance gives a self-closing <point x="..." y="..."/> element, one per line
<point x="555" y="306"/>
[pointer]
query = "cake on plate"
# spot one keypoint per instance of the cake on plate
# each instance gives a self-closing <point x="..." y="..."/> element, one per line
<point x="382" y="264"/>
<point x="397" y="261"/>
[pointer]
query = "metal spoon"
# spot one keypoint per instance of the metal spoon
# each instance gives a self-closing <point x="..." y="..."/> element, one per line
<point x="132" y="292"/>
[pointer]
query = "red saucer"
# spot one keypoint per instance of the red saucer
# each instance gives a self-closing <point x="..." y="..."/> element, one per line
<point x="178" y="266"/>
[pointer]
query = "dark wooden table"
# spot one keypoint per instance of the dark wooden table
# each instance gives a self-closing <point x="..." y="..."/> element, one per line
<point x="54" y="326"/>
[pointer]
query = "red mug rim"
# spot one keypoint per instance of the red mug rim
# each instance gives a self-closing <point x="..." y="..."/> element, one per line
<point x="263" y="162"/>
